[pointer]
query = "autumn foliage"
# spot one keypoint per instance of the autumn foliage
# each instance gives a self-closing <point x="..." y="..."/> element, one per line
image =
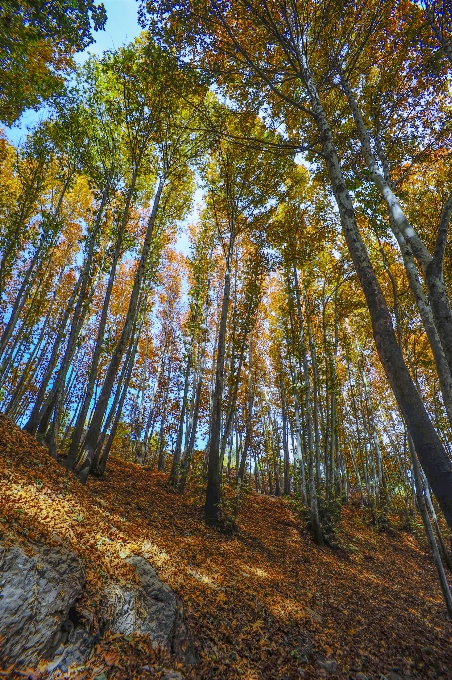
<point x="225" y="282"/>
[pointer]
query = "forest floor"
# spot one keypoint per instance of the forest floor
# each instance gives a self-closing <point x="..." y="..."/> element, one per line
<point x="263" y="604"/>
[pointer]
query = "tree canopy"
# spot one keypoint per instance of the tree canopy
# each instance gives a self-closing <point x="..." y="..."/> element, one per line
<point x="37" y="41"/>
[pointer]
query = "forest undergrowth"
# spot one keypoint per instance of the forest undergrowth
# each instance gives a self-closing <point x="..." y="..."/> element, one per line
<point x="264" y="603"/>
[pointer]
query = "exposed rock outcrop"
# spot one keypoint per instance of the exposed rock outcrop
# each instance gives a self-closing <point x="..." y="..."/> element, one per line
<point x="38" y="616"/>
<point x="151" y="608"/>
<point x="37" y="591"/>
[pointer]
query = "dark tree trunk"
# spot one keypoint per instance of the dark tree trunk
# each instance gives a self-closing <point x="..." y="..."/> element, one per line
<point x="213" y="491"/>
<point x="431" y="452"/>
<point x="80" y="424"/>
<point x="92" y="436"/>
<point x="174" y="473"/>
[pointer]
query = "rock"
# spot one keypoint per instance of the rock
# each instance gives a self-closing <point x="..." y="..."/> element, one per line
<point x="36" y="593"/>
<point x="74" y="653"/>
<point x="172" y="675"/>
<point x="160" y="604"/>
<point x="151" y="608"/>
<point x="328" y="665"/>
<point x="39" y="620"/>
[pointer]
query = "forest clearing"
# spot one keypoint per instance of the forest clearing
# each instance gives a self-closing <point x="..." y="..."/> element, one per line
<point x="226" y="339"/>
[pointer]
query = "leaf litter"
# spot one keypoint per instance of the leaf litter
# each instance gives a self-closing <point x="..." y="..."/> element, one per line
<point x="263" y="604"/>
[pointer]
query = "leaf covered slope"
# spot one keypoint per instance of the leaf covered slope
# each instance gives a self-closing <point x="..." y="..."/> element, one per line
<point x="263" y="604"/>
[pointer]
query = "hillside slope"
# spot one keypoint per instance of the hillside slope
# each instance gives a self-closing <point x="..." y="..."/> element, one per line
<point x="263" y="604"/>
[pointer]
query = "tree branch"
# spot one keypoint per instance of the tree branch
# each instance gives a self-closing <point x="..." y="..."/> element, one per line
<point x="441" y="238"/>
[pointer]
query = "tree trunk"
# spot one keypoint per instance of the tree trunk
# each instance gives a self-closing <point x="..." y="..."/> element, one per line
<point x="316" y="528"/>
<point x="36" y="416"/>
<point x="213" y="491"/>
<point x="285" y="441"/>
<point x="92" y="436"/>
<point x="429" y="530"/>
<point x="247" y="442"/>
<point x="92" y="377"/>
<point x="426" y="314"/>
<point x="161" y="445"/>
<point x="188" y="454"/>
<point x="99" y="470"/>
<point x="431" y="265"/>
<point x="174" y="473"/>
<point x="429" y="448"/>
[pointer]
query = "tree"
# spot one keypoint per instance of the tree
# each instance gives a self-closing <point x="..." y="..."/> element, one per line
<point x="285" y="52"/>
<point x="158" y="102"/>
<point x="240" y="204"/>
<point x="37" y="40"/>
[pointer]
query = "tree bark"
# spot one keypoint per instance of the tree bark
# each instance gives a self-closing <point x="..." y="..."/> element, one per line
<point x="174" y="473"/>
<point x="213" y="491"/>
<point x="430" y="265"/>
<point x="80" y="423"/>
<point x="431" y="452"/>
<point x="429" y="530"/>
<point x="36" y="415"/>
<point x="92" y="436"/>
<point x="316" y="527"/>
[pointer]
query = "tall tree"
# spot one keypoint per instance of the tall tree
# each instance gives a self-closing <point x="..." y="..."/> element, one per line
<point x="285" y="51"/>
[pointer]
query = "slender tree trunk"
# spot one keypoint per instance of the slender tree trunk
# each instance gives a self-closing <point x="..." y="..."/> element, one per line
<point x="431" y="265"/>
<point x="123" y="389"/>
<point x="92" y="436"/>
<point x="315" y="392"/>
<point x="161" y="445"/>
<point x="443" y="550"/>
<point x="55" y="400"/>
<point x="18" y="392"/>
<point x="174" y="473"/>
<point x="21" y="298"/>
<point x="298" y="434"/>
<point x="429" y="530"/>
<point x="29" y="198"/>
<point x="431" y="452"/>
<point x="188" y="455"/>
<point x="317" y="530"/>
<point x="36" y="415"/>
<point x="249" y="417"/>
<point x="285" y="441"/>
<point x="422" y="303"/>
<point x="80" y="311"/>
<point x="92" y="377"/>
<point x="232" y="402"/>
<point x="150" y="423"/>
<point x="213" y="491"/>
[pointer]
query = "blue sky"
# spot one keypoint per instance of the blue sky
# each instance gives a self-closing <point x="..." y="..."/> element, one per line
<point x="121" y="27"/>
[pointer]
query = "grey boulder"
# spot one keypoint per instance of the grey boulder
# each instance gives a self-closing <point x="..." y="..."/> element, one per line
<point x="39" y="619"/>
<point x="37" y="592"/>
<point x="150" y="608"/>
